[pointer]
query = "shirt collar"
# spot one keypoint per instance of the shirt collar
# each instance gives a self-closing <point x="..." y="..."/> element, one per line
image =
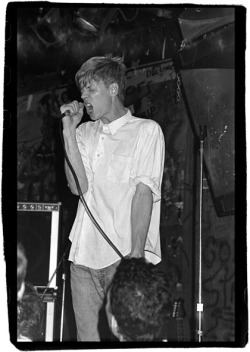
<point x="114" y="126"/>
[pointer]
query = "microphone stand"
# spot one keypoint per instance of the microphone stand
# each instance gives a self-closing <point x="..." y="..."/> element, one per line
<point x="63" y="301"/>
<point x="54" y="273"/>
<point x="63" y="294"/>
<point x="203" y="134"/>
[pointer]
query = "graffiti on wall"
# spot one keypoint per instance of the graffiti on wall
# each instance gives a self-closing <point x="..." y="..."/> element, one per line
<point x="218" y="276"/>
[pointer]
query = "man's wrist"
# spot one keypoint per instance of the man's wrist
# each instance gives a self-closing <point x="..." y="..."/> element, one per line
<point x="136" y="254"/>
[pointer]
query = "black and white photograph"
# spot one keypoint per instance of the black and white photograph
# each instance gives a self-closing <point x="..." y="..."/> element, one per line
<point x="119" y="173"/>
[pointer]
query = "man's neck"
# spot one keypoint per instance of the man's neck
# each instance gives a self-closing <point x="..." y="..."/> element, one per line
<point x="118" y="110"/>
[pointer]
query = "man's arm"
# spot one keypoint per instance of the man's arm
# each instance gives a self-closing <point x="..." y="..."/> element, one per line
<point x="75" y="159"/>
<point x="140" y="218"/>
<point x="70" y="121"/>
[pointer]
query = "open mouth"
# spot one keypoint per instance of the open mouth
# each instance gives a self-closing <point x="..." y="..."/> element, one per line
<point x="89" y="108"/>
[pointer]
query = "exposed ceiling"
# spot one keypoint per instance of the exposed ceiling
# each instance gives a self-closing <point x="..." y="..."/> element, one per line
<point x="49" y="38"/>
<point x="52" y="42"/>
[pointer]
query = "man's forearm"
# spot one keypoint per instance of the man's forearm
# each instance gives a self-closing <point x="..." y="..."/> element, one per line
<point x="75" y="159"/>
<point x="140" y="218"/>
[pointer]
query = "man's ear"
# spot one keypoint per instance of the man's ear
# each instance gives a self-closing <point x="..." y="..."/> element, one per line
<point x="113" y="88"/>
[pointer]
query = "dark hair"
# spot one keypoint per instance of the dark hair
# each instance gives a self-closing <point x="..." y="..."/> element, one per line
<point x="30" y="315"/>
<point x="106" y="68"/>
<point x="21" y="265"/>
<point x="140" y="300"/>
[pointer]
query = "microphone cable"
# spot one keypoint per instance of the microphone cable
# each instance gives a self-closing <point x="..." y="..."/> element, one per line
<point x="83" y="200"/>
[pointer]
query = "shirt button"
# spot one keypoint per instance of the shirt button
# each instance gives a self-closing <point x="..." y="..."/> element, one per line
<point x="98" y="155"/>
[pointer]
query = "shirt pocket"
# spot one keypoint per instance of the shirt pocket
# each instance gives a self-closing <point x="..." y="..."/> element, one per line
<point x="119" y="168"/>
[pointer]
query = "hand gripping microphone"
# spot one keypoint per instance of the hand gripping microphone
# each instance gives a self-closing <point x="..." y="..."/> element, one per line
<point x="67" y="112"/>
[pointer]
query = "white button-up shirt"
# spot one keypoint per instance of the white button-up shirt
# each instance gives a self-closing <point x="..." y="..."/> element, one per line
<point x="117" y="157"/>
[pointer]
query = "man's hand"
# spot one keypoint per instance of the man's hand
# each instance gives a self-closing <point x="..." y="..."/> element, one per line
<point x="74" y="115"/>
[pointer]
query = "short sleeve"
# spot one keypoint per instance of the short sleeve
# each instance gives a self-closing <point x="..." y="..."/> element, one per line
<point x="149" y="158"/>
<point x="81" y="138"/>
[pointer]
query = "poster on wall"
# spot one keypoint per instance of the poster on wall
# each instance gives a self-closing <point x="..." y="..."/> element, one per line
<point x="139" y="84"/>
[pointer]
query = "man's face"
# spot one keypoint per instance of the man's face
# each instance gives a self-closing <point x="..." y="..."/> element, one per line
<point x="97" y="99"/>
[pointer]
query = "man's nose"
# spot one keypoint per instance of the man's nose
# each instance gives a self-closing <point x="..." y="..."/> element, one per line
<point x="84" y="94"/>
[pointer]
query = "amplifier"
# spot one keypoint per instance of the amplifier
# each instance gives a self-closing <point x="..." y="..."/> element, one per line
<point x="38" y="231"/>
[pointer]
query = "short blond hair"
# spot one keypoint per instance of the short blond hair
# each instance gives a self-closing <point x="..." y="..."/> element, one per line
<point x="105" y="68"/>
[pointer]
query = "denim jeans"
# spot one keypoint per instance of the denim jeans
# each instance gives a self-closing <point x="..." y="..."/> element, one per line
<point x="88" y="288"/>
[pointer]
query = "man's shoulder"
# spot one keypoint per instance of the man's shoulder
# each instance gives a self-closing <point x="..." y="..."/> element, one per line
<point x="145" y="123"/>
<point x="87" y="125"/>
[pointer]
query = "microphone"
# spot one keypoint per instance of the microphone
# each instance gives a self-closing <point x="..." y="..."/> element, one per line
<point x="65" y="113"/>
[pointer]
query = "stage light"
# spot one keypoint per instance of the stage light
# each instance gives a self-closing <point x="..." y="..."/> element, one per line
<point x="94" y="20"/>
<point x="83" y="19"/>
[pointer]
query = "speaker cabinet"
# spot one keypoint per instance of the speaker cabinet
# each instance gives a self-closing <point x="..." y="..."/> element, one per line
<point x="38" y="230"/>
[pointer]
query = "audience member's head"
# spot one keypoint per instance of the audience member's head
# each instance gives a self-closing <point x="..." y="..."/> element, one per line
<point x="30" y="315"/>
<point x="138" y="302"/>
<point x="21" y="270"/>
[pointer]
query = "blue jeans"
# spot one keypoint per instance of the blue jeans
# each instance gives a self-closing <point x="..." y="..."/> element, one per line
<point x="88" y="288"/>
